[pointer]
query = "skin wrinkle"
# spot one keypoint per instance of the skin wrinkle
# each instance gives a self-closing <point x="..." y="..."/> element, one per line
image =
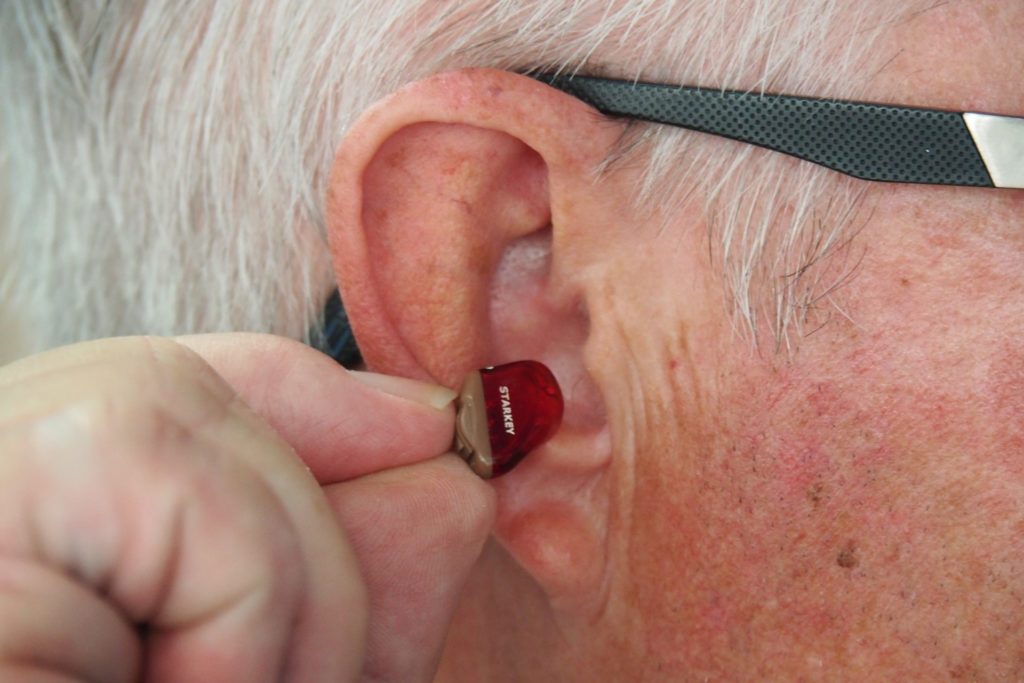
<point x="624" y="433"/>
<point x="642" y="422"/>
<point x="852" y="508"/>
<point x="620" y="468"/>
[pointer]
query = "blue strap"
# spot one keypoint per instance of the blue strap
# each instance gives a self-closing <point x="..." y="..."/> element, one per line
<point x="337" y="340"/>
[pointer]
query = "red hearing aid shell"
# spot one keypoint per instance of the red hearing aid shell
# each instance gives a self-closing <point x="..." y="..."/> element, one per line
<point x="504" y="412"/>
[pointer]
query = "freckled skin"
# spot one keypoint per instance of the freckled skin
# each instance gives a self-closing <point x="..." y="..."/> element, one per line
<point x="850" y="511"/>
<point x="858" y="505"/>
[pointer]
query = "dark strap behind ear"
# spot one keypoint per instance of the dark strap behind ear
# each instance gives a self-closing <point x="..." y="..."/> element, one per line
<point x="336" y="338"/>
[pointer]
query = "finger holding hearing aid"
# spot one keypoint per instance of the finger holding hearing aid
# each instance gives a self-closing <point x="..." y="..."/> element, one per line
<point x="417" y="521"/>
<point x="342" y="424"/>
<point x="417" y="530"/>
<point x="416" y="515"/>
<point x="157" y="524"/>
<point x="239" y="507"/>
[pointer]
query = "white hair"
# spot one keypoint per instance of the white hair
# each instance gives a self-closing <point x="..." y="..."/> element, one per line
<point x="166" y="162"/>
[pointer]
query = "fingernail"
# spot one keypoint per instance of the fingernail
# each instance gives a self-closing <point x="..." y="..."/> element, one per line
<point x="432" y="395"/>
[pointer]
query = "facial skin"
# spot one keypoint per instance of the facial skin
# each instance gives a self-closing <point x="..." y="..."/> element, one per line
<point x="850" y="510"/>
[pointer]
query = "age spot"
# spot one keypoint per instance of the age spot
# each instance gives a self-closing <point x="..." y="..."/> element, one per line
<point x="847" y="557"/>
<point x="815" y="494"/>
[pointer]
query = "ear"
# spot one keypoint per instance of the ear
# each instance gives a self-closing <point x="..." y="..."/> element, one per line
<point x="460" y="210"/>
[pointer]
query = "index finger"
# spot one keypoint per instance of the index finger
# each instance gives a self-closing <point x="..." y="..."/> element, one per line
<point x="340" y="427"/>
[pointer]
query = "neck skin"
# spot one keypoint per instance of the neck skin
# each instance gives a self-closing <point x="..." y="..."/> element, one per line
<point x="849" y="510"/>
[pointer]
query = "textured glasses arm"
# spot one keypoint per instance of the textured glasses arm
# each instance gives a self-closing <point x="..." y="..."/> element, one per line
<point x="869" y="141"/>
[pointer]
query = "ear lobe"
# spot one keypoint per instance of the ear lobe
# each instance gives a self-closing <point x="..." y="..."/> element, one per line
<point x="456" y="213"/>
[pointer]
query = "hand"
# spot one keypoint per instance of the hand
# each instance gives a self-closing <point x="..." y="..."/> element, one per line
<point x="156" y="523"/>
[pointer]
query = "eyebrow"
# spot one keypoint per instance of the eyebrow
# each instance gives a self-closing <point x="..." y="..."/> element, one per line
<point x="865" y="140"/>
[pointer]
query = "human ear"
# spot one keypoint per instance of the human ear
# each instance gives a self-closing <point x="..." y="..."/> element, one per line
<point x="462" y="212"/>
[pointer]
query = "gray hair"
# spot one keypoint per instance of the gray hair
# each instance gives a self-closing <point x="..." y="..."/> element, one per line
<point x="166" y="162"/>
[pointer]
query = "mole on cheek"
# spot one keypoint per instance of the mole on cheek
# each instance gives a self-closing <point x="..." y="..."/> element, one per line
<point x="847" y="557"/>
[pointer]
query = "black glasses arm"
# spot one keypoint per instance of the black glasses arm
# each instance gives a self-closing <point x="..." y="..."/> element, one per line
<point x="869" y="141"/>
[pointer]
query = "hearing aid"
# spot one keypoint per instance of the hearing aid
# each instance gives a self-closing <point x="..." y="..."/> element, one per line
<point x="504" y="412"/>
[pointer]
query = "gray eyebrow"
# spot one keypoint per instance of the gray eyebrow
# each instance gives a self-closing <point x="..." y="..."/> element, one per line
<point x="870" y="141"/>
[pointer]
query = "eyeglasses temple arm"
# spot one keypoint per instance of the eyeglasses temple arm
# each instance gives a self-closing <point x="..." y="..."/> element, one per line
<point x="864" y="140"/>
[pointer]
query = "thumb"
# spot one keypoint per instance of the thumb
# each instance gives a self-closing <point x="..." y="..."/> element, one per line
<point x="417" y="532"/>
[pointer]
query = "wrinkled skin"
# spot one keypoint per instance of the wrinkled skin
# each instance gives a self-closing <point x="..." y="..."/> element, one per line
<point x="850" y="510"/>
<point x="848" y="506"/>
<point x="224" y="508"/>
<point x="853" y="513"/>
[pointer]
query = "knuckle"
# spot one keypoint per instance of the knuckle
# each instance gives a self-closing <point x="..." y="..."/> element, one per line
<point x="145" y="434"/>
<point x="123" y="389"/>
<point x="177" y="366"/>
<point x="159" y="392"/>
<point x="146" y="410"/>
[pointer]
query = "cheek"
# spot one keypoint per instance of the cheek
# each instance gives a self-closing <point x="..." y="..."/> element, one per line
<point x="865" y="491"/>
<point x="1007" y="407"/>
<point x="875" y="479"/>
